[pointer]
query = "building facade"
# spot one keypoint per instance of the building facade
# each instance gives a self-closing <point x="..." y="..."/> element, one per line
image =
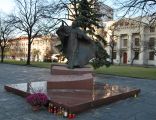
<point x="106" y="10"/>
<point x="134" y="42"/>
<point x="41" y="47"/>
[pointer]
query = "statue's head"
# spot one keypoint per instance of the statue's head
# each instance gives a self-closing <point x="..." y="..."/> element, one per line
<point x="63" y="31"/>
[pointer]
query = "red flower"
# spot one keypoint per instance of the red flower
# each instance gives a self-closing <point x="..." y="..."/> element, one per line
<point x="37" y="99"/>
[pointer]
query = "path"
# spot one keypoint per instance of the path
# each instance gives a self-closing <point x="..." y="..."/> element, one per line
<point x="13" y="107"/>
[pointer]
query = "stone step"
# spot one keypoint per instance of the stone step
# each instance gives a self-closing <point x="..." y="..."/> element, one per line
<point x="84" y="81"/>
<point x="63" y="70"/>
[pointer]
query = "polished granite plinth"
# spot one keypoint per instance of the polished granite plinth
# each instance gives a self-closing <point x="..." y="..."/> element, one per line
<point x="76" y="100"/>
<point x="84" y="81"/>
<point x="65" y="78"/>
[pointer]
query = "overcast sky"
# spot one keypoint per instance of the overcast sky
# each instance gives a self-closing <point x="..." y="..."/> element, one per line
<point x="6" y="5"/>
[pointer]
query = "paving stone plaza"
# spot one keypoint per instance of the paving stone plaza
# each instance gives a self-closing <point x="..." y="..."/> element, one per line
<point x="13" y="107"/>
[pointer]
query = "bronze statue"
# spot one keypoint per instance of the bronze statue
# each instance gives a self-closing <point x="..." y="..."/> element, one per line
<point x="77" y="47"/>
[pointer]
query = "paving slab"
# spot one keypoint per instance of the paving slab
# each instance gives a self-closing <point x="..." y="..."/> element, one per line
<point x="13" y="107"/>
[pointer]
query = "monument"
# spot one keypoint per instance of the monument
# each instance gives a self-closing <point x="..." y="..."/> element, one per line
<point x="77" y="47"/>
<point x="73" y="86"/>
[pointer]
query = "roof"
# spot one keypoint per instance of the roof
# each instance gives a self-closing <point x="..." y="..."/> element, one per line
<point x="24" y="38"/>
<point x="146" y="20"/>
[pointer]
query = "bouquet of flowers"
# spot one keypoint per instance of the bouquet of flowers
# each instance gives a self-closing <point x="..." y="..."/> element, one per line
<point x="37" y="99"/>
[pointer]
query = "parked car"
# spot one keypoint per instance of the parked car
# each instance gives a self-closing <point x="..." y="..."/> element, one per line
<point x="58" y="58"/>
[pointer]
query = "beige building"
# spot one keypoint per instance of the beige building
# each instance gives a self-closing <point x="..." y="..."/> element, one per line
<point x="135" y="41"/>
<point x="41" y="47"/>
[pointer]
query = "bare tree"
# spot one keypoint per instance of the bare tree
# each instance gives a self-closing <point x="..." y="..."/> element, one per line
<point x="138" y="7"/>
<point x="151" y="45"/>
<point x="65" y="10"/>
<point x="112" y="44"/>
<point x="36" y="53"/>
<point x="154" y="51"/>
<point x="29" y="19"/>
<point x="120" y="51"/>
<point x="136" y="48"/>
<point x="15" y="49"/>
<point x="6" y="30"/>
<point x="113" y="40"/>
<point x="71" y="6"/>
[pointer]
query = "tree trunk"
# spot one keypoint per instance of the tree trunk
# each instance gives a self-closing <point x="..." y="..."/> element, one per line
<point x="112" y="62"/>
<point x="37" y="57"/>
<point x="29" y="53"/>
<point x="132" y="61"/>
<point x="2" y="54"/>
<point x="120" y="60"/>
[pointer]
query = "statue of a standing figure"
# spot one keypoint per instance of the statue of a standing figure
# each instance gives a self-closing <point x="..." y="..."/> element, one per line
<point x="77" y="47"/>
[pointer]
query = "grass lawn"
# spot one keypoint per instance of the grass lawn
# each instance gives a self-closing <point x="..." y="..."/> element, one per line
<point x="33" y="64"/>
<point x="129" y="71"/>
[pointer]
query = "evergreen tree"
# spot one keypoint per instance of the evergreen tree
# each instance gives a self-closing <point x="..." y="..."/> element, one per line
<point x="88" y="16"/>
<point x="89" y="19"/>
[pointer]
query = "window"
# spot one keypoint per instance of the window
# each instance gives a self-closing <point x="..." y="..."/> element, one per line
<point x="132" y="24"/>
<point x="114" y="55"/>
<point x="152" y="29"/>
<point x="136" y="55"/>
<point x="151" y="55"/>
<point x="126" y="23"/>
<point x="151" y="43"/>
<point x="121" y="24"/>
<point x="124" y="42"/>
<point x="115" y="43"/>
<point x="136" y="41"/>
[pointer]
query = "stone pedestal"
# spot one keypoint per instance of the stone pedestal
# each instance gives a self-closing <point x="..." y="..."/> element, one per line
<point x="64" y="78"/>
<point x="84" y="81"/>
<point x="74" y="89"/>
<point x="63" y="70"/>
<point x="76" y="100"/>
